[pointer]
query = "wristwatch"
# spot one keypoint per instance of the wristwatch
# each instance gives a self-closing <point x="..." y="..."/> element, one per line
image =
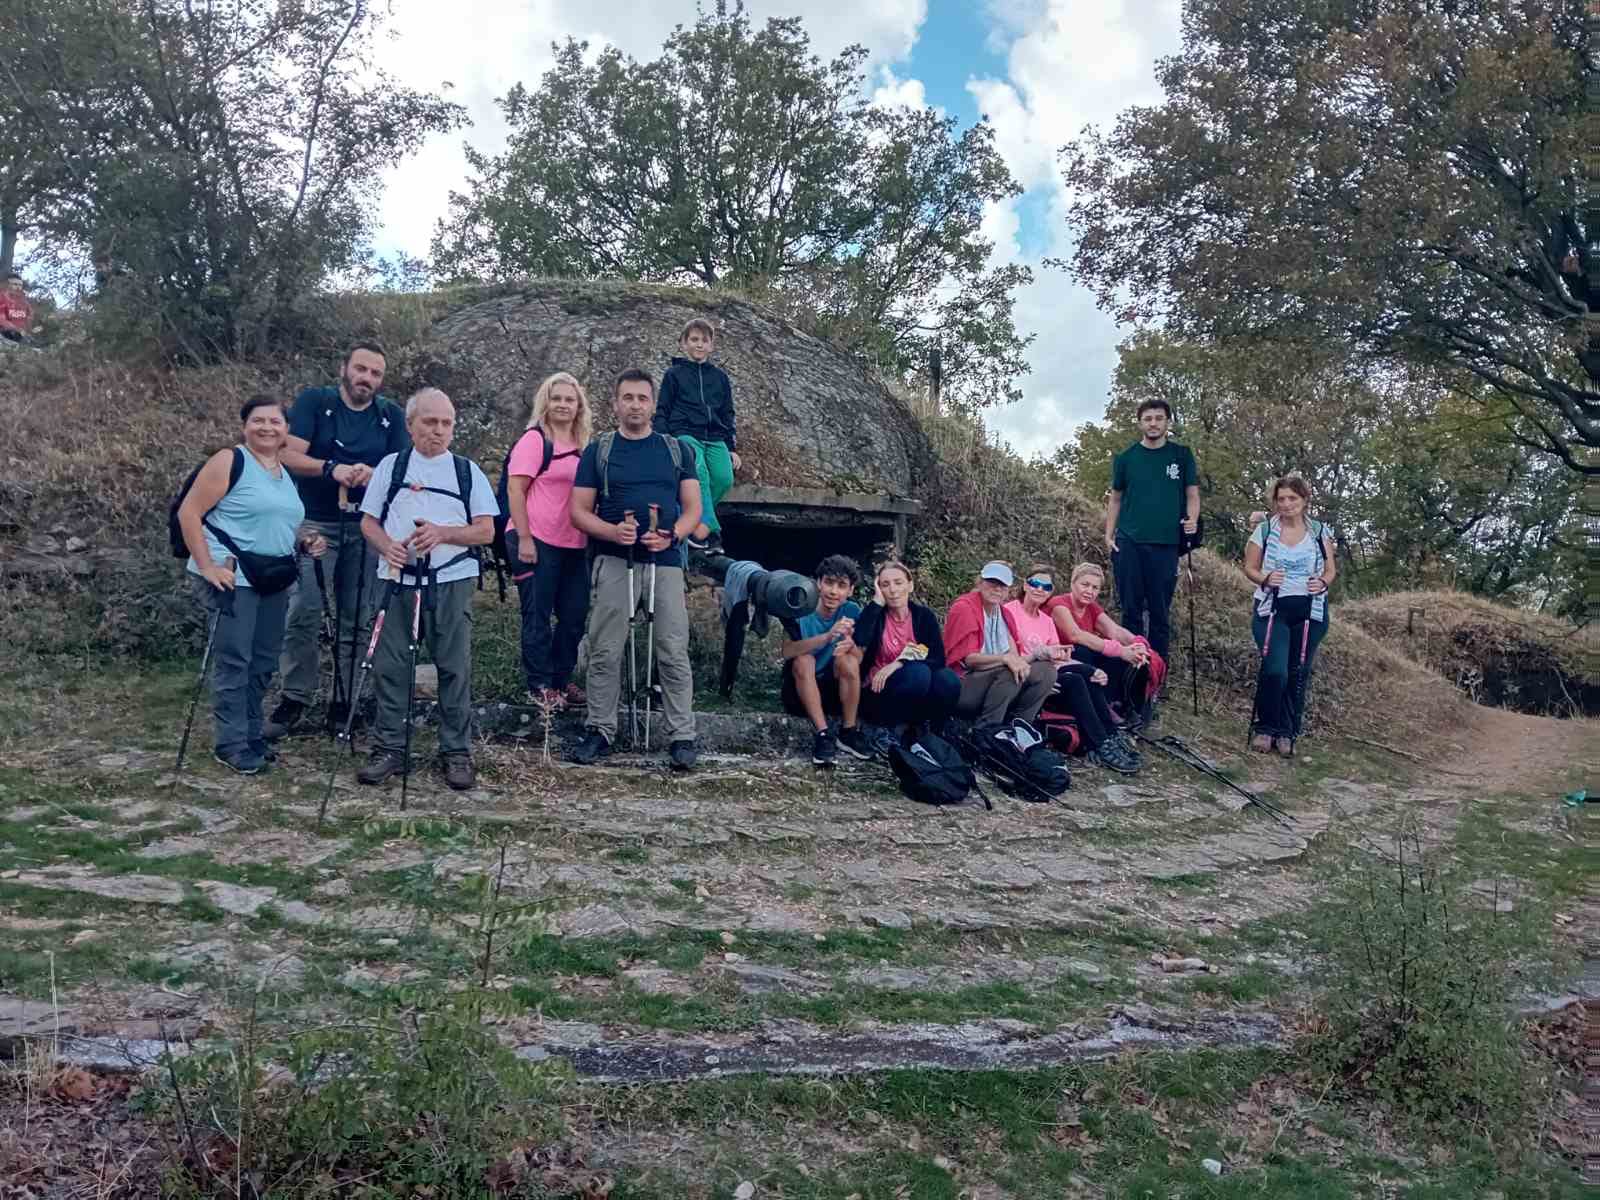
<point x="328" y="468"/>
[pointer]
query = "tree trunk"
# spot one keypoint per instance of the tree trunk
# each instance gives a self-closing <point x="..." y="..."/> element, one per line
<point x="8" y="237"/>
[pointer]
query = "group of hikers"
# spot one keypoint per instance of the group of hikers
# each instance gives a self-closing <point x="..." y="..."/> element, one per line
<point x="345" y="518"/>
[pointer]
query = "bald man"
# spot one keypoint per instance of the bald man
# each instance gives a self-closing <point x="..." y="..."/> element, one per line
<point x="424" y="511"/>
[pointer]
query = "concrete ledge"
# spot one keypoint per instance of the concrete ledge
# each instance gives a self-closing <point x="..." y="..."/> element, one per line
<point x="858" y="502"/>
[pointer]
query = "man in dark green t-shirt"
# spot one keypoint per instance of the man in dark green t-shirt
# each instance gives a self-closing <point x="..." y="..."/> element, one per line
<point x="1155" y="498"/>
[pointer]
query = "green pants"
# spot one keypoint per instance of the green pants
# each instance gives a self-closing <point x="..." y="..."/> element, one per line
<point x="715" y="468"/>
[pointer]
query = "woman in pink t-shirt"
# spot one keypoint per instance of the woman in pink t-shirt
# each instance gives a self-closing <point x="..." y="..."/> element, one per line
<point x="1080" y="687"/>
<point x="547" y="551"/>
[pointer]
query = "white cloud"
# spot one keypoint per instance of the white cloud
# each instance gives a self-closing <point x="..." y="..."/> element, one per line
<point x="1068" y="63"/>
<point x="486" y="46"/>
<point x="894" y="92"/>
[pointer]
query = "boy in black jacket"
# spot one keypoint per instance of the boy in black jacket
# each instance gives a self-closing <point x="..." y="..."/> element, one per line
<point x="696" y="406"/>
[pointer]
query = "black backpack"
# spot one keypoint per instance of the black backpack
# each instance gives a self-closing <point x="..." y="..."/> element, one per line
<point x="932" y="771"/>
<point x="502" y="494"/>
<point x="175" y="541"/>
<point x="1016" y="755"/>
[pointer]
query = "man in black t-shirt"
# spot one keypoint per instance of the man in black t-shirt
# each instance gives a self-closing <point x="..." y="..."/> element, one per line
<point x="621" y="473"/>
<point x="1155" y="498"/>
<point x="337" y="435"/>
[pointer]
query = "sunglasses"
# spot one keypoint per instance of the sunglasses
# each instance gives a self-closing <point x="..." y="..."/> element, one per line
<point x="1044" y="585"/>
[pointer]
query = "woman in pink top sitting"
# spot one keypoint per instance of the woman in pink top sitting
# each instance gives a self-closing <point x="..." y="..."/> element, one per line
<point x="1080" y="687"/>
<point x="1136" y="670"/>
<point x="547" y="551"/>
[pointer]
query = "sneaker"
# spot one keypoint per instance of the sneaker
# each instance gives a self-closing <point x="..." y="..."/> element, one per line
<point x="1261" y="744"/>
<point x="594" y="746"/>
<point x="575" y="696"/>
<point x="285" y="719"/>
<point x="458" y="772"/>
<point x="1111" y="756"/>
<point x="824" y="749"/>
<point x="854" y="739"/>
<point x="681" y="756"/>
<point x="1129" y="747"/>
<point x="263" y="750"/>
<point x="699" y="541"/>
<point x="382" y="765"/>
<point x="245" y="762"/>
<point x="1284" y="747"/>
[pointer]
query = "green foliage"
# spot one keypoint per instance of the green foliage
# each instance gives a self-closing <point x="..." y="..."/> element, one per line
<point x="1421" y="970"/>
<point x="215" y="165"/>
<point x="1393" y="175"/>
<point x="1421" y="485"/>
<point x="424" y="1105"/>
<point x="738" y="157"/>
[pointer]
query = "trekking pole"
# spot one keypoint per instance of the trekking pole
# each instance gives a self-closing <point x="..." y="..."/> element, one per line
<point x="360" y="685"/>
<point x="1266" y="648"/>
<point x="346" y="507"/>
<point x="1194" y="654"/>
<point x="224" y="604"/>
<point x="633" y="659"/>
<point x="330" y="630"/>
<point x="1176" y="748"/>
<point x="1300" y="685"/>
<point x="411" y="679"/>
<point x="650" y="630"/>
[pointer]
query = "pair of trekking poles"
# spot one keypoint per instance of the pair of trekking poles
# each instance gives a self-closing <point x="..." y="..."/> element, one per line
<point x="649" y="601"/>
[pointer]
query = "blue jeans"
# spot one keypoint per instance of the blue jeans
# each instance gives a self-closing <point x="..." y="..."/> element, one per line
<point x="914" y="693"/>
<point x="1281" y="688"/>
<point x="244" y="657"/>
<point x="557" y="587"/>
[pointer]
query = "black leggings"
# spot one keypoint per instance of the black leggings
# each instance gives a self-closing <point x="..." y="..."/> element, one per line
<point x="1086" y="702"/>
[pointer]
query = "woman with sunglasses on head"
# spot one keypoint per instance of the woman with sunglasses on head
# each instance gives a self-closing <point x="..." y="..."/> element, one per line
<point x="1080" y="686"/>
<point x="1290" y="559"/>
<point x="1133" y="668"/>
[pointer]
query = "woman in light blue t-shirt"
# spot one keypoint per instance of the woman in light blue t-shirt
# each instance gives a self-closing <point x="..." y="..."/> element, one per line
<point x="241" y="521"/>
<point x="1290" y="559"/>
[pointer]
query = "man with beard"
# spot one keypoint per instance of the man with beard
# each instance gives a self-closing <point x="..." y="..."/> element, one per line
<point x="337" y="435"/>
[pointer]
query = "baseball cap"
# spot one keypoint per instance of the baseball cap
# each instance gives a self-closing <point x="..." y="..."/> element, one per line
<point x="998" y="572"/>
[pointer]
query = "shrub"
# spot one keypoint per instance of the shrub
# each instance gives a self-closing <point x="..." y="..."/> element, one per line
<point x="1420" y="972"/>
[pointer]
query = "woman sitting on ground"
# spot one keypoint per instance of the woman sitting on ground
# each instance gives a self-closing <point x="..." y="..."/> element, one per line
<point x="1081" y="688"/>
<point x="547" y="551"/>
<point x="1134" y="670"/>
<point x="1290" y="559"/>
<point x="1000" y="681"/>
<point x="902" y="656"/>
<point x="242" y="540"/>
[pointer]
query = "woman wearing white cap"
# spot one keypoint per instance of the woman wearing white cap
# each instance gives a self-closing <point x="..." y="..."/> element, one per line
<point x="1000" y="681"/>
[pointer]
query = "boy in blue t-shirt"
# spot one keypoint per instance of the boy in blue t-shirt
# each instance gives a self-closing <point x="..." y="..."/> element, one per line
<point x="822" y="669"/>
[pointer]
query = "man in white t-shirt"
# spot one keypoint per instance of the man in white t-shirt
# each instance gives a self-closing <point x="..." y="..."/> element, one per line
<point x="423" y="532"/>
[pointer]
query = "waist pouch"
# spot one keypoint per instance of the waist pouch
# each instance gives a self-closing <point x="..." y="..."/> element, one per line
<point x="1293" y="609"/>
<point x="268" y="574"/>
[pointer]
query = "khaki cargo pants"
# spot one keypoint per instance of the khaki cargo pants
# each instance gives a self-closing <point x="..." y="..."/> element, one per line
<point x="609" y="609"/>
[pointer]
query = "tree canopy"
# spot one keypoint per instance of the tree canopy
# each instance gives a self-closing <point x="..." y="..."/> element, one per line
<point x="1396" y="175"/>
<point x="215" y="163"/>
<point x="738" y="157"/>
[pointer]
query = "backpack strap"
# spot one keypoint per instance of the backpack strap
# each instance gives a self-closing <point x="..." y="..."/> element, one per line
<point x="603" y="457"/>
<point x="397" y="483"/>
<point x="235" y="470"/>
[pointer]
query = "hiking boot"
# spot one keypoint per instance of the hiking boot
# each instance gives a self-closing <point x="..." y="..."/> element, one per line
<point x="382" y="765"/>
<point x="592" y="748"/>
<point x="1129" y="746"/>
<point x="854" y="739"/>
<point x="285" y="719"/>
<point x="575" y="696"/>
<point x="1112" y="757"/>
<point x="824" y="749"/>
<point x="245" y="762"/>
<point x="458" y="772"/>
<point x="681" y="756"/>
<point x="1284" y="747"/>
<point x="1261" y="744"/>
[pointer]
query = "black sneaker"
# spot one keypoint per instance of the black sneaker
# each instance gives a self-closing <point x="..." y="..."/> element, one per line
<point x="698" y="543"/>
<point x="824" y="750"/>
<point x="1113" y="758"/>
<point x="245" y="762"/>
<point x="592" y="748"/>
<point x="681" y="756"/>
<point x="855" y="740"/>
<point x="285" y="719"/>
<point x="263" y="750"/>
<point x="382" y="765"/>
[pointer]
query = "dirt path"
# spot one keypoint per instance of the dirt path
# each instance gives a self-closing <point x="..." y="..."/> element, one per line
<point x="1504" y="751"/>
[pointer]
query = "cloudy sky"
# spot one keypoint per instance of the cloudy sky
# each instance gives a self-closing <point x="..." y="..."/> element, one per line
<point x="1040" y="70"/>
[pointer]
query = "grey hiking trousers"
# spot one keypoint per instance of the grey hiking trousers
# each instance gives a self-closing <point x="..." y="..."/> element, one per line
<point x="348" y="570"/>
<point x="244" y="654"/>
<point x="447" y="637"/>
<point x="609" y="609"/>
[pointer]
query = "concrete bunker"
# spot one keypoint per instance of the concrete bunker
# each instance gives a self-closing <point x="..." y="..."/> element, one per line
<point x="786" y="528"/>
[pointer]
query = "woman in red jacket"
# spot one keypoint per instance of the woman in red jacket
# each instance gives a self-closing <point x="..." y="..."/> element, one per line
<point x="1134" y="668"/>
<point x="1000" y="680"/>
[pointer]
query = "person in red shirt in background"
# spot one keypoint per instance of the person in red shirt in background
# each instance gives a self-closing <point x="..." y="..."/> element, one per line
<point x="16" y="313"/>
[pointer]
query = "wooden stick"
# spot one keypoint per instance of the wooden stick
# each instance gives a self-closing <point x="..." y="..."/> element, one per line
<point x="1384" y="746"/>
